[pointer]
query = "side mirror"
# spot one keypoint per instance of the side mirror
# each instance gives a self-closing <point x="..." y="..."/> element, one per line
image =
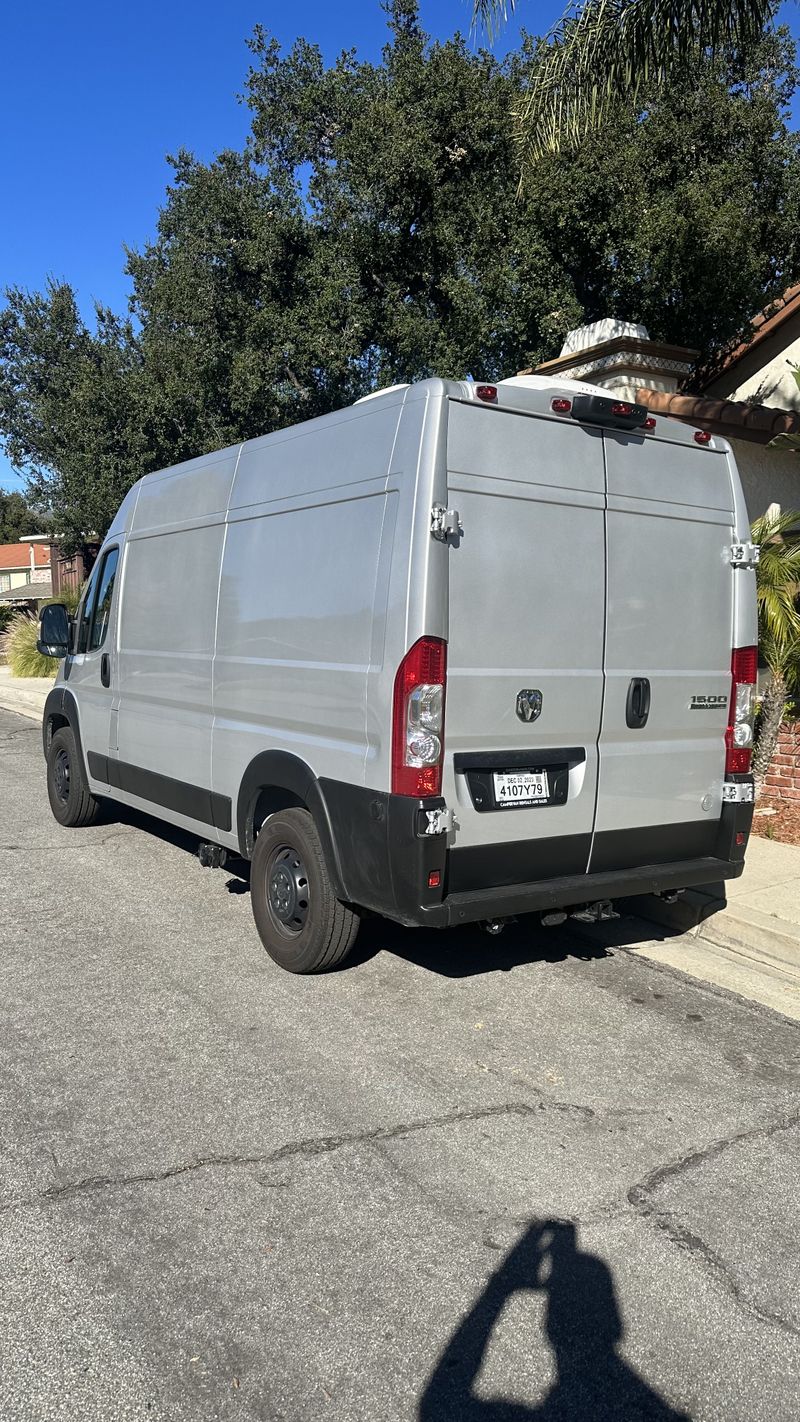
<point x="54" y="633"/>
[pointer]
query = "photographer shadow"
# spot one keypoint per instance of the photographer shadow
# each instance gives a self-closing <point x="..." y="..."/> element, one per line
<point x="583" y="1327"/>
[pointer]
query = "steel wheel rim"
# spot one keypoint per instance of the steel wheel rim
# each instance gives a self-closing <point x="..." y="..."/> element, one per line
<point x="61" y="776"/>
<point x="288" y="891"/>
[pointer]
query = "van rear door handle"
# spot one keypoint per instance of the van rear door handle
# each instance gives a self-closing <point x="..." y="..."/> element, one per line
<point x="105" y="669"/>
<point x="637" y="707"/>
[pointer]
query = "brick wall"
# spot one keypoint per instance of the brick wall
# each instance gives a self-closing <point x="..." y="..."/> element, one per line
<point x="783" y="780"/>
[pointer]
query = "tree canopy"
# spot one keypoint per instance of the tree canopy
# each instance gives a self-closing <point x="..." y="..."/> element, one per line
<point x="370" y="231"/>
<point x="602" y="52"/>
<point x="16" y="518"/>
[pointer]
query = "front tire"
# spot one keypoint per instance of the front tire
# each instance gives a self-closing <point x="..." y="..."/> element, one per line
<point x="71" y="800"/>
<point x="300" y="921"/>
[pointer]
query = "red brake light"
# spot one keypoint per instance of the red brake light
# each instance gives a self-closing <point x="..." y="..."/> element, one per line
<point x="418" y="719"/>
<point x="486" y="392"/>
<point x="561" y="406"/>
<point x="741" y="711"/>
<point x="702" y="437"/>
<point x="621" y="407"/>
<point x="744" y="664"/>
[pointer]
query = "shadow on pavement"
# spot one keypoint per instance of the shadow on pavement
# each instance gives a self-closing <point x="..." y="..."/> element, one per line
<point x="583" y="1328"/>
<point x="469" y="951"/>
<point x="455" y="952"/>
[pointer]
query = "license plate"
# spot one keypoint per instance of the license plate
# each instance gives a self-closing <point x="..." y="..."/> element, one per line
<point x="521" y="787"/>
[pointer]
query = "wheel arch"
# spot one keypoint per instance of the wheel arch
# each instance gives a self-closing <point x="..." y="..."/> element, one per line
<point x="278" y="780"/>
<point x="61" y="709"/>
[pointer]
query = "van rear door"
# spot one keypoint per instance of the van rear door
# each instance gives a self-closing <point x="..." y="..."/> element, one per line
<point x="668" y="637"/>
<point x="525" y="643"/>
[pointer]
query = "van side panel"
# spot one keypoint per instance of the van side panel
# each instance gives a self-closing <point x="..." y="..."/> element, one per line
<point x="166" y="644"/>
<point x="295" y="621"/>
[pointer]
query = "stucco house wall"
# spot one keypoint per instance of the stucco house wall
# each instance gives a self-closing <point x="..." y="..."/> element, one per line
<point x="769" y="476"/>
<point x="762" y="375"/>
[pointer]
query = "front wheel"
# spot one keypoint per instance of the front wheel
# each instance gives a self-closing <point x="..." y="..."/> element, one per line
<point x="301" y="923"/>
<point x="71" y="800"/>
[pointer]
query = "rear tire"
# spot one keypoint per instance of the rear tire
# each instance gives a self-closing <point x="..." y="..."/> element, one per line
<point x="71" y="800"/>
<point x="300" y="921"/>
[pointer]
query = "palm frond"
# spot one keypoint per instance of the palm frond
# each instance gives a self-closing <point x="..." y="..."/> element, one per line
<point x="777" y="590"/>
<point x="491" y="15"/>
<point x="605" y="50"/>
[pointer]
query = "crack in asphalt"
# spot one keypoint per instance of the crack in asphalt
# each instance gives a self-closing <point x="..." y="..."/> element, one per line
<point x="68" y="848"/>
<point x="640" y="1197"/>
<point x="309" y="1147"/>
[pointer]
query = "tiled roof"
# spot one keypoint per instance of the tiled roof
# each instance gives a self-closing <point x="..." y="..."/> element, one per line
<point x="732" y="418"/>
<point x="18" y="555"/>
<point x="764" y="325"/>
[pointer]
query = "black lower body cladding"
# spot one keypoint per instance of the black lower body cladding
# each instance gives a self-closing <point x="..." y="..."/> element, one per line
<point x="389" y="865"/>
<point x="386" y="862"/>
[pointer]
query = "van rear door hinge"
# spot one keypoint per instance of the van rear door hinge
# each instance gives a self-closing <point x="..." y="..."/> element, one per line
<point x="744" y="555"/>
<point x="439" y="822"/>
<point x="445" y="523"/>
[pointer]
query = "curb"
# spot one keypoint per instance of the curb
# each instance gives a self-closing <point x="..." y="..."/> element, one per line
<point x="24" y="703"/>
<point x="746" y="928"/>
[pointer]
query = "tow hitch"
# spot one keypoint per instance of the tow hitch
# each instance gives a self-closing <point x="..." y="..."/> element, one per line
<point x="599" y="912"/>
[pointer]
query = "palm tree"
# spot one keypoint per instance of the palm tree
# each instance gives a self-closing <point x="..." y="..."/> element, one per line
<point x="604" y="50"/>
<point x="777" y="588"/>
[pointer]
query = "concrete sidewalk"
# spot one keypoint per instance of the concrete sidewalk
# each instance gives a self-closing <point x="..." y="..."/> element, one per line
<point x="25" y="695"/>
<point x="752" y="944"/>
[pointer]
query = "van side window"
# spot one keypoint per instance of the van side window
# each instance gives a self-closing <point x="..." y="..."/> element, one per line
<point x="105" y="592"/>
<point x="85" y="611"/>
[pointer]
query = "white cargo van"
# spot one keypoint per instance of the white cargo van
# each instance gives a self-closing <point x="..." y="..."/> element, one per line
<point x="460" y="652"/>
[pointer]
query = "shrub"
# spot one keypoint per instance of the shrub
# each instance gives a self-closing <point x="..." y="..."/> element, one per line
<point x="19" y="644"/>
<point x="69" y="598"/>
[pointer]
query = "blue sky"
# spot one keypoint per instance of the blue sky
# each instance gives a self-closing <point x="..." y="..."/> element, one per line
<point x="94" y="96"/>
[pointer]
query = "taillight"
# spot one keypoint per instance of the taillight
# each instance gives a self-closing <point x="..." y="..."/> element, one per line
<point x="418" y="719"/>
<point x="741" y="714"/>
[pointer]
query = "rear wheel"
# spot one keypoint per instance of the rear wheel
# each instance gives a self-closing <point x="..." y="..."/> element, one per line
<point x="302" y="924"/>
<point x="71" y="800"/>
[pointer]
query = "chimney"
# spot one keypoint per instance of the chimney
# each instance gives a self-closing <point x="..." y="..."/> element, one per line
<point x="620" y="357"/>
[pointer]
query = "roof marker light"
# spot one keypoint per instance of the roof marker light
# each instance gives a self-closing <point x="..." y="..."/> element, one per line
<point x="649" y="423"/>
<point x="561" y="406"/>
<point x="486" y="392"/>
<point x="702" y="437"/>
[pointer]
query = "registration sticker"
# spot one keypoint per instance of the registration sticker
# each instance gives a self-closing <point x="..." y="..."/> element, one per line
<point x="521" y="787"/>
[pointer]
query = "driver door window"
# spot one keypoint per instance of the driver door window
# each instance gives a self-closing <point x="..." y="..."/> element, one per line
<point x="95" y="609"/>
<point x="105" y="592"/>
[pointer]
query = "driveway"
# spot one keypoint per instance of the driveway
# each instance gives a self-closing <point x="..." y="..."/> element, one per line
<point x="463" y="1178"/>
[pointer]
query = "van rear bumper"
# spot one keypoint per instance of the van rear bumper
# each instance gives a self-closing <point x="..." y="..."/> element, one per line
<point x="567" y="892"/>
<point x="384" y="862"/>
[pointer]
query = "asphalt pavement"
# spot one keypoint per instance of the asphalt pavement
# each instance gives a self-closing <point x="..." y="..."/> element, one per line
<point x="537" y="1177"/>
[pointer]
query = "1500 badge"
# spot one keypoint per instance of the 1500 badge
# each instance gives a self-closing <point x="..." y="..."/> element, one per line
<point x="707" y="703"/>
